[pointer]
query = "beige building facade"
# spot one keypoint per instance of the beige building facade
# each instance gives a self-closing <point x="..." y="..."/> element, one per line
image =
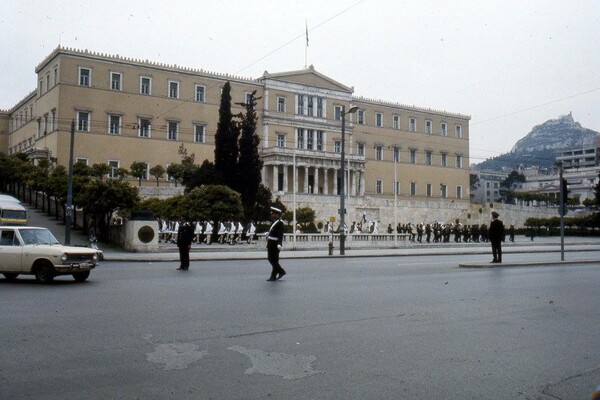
<point x="128" y="110"/>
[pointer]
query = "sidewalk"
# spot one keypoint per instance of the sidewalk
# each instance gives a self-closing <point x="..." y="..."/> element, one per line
<point x="203" y="252"/>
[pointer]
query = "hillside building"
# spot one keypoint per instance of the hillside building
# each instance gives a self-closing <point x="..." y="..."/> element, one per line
<point x="486" y="189"/>
<point x="584" y="157"/>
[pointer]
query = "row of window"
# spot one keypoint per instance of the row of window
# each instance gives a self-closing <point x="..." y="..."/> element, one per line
<point x="47" y="86"/>
<point x="396" y="124"/>
<point x="314" y="106"/>
<point x="145" y="84"/>
<point x="143" y="127"/>
<point x="313" y="139"/>
<point x="429" y="156"/>
<point x="413" y="189"/>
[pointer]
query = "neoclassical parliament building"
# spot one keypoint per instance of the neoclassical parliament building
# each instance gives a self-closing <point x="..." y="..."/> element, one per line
<point x="128" y="110"/>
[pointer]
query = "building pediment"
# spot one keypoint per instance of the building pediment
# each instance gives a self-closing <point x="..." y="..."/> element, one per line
<point x="308" y="77"/>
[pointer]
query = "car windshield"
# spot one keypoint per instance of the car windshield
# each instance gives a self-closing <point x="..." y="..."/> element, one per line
<point x="37" y="236"/>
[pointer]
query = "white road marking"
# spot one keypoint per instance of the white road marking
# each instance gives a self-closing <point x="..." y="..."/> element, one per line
<point x="288" y="366"/>
<point x="175" y="355"/>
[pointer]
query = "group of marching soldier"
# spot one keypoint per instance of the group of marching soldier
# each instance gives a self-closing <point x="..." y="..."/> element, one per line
<point x="445" y="233"/>
<point x="232" y="232"/>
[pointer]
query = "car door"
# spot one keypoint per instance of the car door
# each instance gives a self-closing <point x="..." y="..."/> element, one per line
<point x="11" y="251"/>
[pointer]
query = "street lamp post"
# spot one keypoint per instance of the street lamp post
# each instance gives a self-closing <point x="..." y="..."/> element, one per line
<point x="395" y="157"/>
<point x="342" y="178"/>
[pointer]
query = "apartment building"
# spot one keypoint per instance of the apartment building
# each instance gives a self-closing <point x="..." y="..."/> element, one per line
<point x="586" y="156"/>
<point x="127" y="110"/>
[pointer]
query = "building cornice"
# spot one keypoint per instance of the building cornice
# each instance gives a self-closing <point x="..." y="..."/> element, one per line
<point x="371" y="101"/>
<point x="142" y="63"/>
<point x="24" y="100"/>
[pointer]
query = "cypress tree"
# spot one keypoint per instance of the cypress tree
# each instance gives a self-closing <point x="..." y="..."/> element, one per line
<point x="249" y="164"/>
<point x="226" y="142"/>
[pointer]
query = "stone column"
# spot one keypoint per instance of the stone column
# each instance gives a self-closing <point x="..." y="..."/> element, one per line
<point x="325" y="181"/>
<point x="316" y="188"/>
<point x="362" y="183"/>
<point x="265" y="140"/>
<point x="285" y="178"/>
<point x="335" y="181"/>
<point x="295" y="178"/>
<point x="275" y="177"/>
<point x="306" y="179"/>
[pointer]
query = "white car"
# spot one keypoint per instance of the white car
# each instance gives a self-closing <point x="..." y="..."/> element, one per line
<point x="35" y="251"/>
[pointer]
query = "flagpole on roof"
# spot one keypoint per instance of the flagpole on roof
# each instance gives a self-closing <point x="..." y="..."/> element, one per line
<point x="306" y="47"/>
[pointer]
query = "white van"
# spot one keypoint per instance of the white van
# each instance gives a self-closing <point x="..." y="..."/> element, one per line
<point x="12" y="213"/>
<point x="5" y="197"/>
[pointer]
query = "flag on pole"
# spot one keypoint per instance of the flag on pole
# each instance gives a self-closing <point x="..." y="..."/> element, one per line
<point x="306" y="34"/>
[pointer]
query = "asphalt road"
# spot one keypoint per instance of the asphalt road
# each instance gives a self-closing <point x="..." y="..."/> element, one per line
<point x="359" y="328"/>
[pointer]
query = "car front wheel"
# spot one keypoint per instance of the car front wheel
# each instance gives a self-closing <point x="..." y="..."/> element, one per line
<point x="10" y="276"/>
<point x="81" y="276"/>
<point x="45" y="274"/>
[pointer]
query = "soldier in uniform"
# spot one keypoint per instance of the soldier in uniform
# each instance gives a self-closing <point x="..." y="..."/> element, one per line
<point x="185" y="235"/>
<point x="496" y="236"/>
<point x="275" y="244"/>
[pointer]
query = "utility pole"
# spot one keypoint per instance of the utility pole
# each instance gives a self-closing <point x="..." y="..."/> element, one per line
<point x="69" y="208"/>
<point x="562" y="210"/>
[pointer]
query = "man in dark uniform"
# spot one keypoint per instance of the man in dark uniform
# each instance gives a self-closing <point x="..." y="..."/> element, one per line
<point x="185" y="235"/>
<point x="496" y="236"/>
<point x="275" y="244"/>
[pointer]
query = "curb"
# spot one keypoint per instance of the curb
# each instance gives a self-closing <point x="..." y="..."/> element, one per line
<point x="528" y="264"/>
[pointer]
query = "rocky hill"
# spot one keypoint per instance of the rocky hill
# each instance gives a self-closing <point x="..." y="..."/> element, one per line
<point x="540" y="146"/>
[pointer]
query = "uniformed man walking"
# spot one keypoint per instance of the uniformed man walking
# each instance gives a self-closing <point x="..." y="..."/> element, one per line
<point x="275" y="244"/>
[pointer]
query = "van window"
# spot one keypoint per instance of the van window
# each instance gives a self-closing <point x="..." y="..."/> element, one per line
<point x="14" y="214"/>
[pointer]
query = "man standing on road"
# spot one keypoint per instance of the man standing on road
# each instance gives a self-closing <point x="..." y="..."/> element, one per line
<point x="496" y="236"/>
<point x="185" y="234"/>
<point x="275" y="244"/>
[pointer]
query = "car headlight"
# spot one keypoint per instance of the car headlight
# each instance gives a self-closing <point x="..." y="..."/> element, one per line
<point x="64" y="257"/>
<point x="95" y="257"/>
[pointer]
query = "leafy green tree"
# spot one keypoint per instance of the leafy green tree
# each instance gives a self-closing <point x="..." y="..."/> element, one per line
<point x="158" y="172"/>
<point x="121" y="173"/>
<point x="103" y="197"/>
<point x="513" y="177"/>
<point x="154" y="205"/>
<point x="57" y="185"/>
<point x="17" y="169"/>
<point x="99" y="171"/>
<point x="37" y="178"/>
<point x="589" y="202"/>
<point x="213" y="202"/>
<point x="173" y="207"/>
<point x="202" y="175"/>
<point x="304" y="217"/>
<point x="226" y="142"/>
<point x="249" y="163"/>
<point x="4" y="161"/>
<point x="264" y="199"/>
<point x="138" y="170"/>
<point x="175" y="172"/>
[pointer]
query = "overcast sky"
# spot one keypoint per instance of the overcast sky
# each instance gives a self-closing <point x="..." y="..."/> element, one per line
<point x="508" y="64"/>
